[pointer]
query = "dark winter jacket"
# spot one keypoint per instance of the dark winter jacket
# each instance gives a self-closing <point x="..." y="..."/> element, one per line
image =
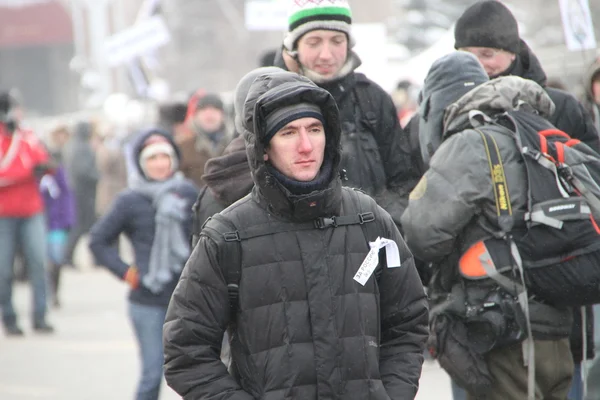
<point x="82" y="173"/>
<point x="133" y="214"/>
<point x="305" y="329"/>
<point x="593" y="72"/>
<point x="441" y="221"/>
<point x="569" y="116"/>
<point x="227" y="180"/>
<point x="390" y="147"/>
<point x="80" y="159"/>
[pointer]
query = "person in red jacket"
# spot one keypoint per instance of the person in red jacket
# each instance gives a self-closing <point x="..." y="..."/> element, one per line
<point x="23" y="160"/>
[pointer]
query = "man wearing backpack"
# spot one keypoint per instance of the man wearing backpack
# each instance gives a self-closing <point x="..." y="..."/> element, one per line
<point x="490" y="31"/>
<point x="282" y="269"/>
<point x="376" y="152"/>
<point x="481" y="327"/>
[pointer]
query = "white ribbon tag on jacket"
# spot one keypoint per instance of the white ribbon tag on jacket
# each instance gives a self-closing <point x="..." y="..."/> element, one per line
<point x="370" y="263"/>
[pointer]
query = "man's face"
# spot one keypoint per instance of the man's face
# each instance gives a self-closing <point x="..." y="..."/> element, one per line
<point x="596" y="90"/>
<point x="158" y="167"/>
<point x="323" y="51"/>
<point x="210" y="119"/>
<point x="297" y="150"/>
<point x="494" y="61"/>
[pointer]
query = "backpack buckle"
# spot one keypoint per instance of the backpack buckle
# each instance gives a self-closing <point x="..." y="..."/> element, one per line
<point x="565" y="171"/>
<point x="322" y="222"/>
<point x="233" y="291"/>
<point x="366" y="217"/>
<point x="531" y="153"/>
<point x="232" y="237"/>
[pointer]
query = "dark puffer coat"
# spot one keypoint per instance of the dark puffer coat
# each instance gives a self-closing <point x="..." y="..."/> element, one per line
<point x="227" y="180"/>
<point x="305" y="329"/>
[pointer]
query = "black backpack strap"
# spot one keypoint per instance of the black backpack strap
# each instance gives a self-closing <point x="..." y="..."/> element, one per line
<point x="230" y="257"/>
<point x="281" y="227"/>
<point x="197" y="224"/>
<point x="364" y="102"/>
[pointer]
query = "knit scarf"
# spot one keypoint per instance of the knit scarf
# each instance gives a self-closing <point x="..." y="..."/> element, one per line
<point x="170" y="248"/>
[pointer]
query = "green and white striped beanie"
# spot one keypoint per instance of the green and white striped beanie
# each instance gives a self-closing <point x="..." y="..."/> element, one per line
<point x="310" y="15"/>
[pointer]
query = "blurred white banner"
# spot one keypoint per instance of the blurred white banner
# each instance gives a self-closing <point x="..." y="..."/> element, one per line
<point x="577" y="24"/>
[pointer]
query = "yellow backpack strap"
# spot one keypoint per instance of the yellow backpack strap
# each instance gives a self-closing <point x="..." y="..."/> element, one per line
<point x="505" y="223"/>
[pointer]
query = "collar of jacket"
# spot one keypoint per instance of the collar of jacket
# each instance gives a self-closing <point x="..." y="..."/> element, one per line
<point x="352" y="62"/>
<point x="526" y="65"/>
<point x="270" y="194"/>
<point x="498" y="95"/>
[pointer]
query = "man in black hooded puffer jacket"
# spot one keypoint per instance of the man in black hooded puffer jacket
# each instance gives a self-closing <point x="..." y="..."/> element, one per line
<point x="304" y="328"/>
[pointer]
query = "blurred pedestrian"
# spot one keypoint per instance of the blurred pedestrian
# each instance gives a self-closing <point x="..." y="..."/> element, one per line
<point x="83" y="176"/>
<point x="207" y="135"/>
<point x="23" y="160"/>
<point x="171" y="117"/>
<point x="405" y="96"/>
<point x="112" y="170"/>
<point x="59" y="202"/>
<point x="155" y="214"/>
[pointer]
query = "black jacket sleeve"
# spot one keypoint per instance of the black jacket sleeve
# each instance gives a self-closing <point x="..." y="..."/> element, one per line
<point x="105" y="234"/>
<point x="570" y="116"/>
<point x="404" y="323"/>
<point x="197" y="317"/>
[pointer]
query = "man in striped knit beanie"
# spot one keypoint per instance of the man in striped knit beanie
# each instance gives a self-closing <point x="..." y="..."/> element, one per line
<point x="376" y="152"/>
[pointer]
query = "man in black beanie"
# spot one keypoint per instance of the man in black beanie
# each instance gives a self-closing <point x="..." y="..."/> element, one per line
<point x="490" y="31"/>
